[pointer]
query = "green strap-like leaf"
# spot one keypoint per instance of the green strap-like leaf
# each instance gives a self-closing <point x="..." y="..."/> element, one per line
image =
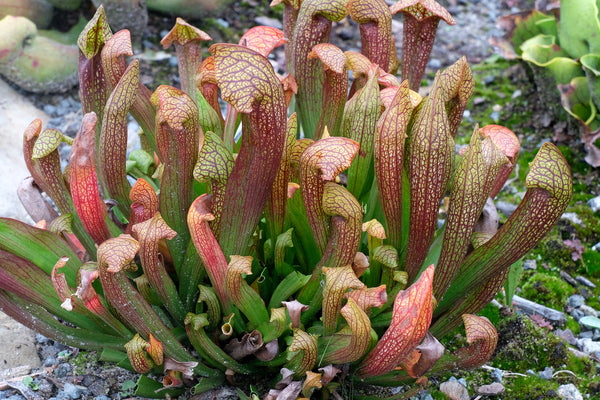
<point x="550" y="187"/>
<point x="248" y="82"/>
<point x="312" y="27"/>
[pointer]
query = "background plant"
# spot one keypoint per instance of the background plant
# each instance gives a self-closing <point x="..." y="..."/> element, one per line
<point x="564" y="47"/>
<point x="303" y="247"/>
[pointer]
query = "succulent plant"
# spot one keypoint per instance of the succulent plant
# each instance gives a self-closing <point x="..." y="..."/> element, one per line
<point x="313" y="256"/>
<point x="32" y="61"/>
<point x="563" y="47"/>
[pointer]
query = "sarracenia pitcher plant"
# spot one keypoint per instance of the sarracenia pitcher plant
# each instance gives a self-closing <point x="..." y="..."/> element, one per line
<point x="274" y="225"/>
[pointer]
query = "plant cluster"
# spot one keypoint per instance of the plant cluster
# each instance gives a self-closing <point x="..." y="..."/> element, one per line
<point x="297" y="233"/>
<point x="565" y="44"/>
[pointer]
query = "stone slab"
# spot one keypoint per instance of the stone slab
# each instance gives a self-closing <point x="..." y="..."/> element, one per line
<point x="18" y="355"/>
<point x="16" y="113"/>
<point x="17" y="343"/>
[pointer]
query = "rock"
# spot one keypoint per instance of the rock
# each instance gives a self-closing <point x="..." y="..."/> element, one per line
<point x="569" y="392"/>
<point x="575" y="301"/>
<point x="588" y="346"/>
<point x="454" y="390"/>
<point x="568" y="278"/>
<point x="529" y="265"/>
<point x="588" y="311"/>
<point x="547" y="373"/>
<point x="594" y="204"/>
<point x="16" y="113"/>
<point x="73" y="391"/>
<point x="62" y="370"/>
<point x="577" y="314"/>
<point x="272" y="22"/>
<point x="566" y="335"/>
<point x="585" y="281"/>
<point x="17" y="348"/>
<point x="506" y="208"/>
<point x="573" y="218"/>
<point x="497" y="374"/>
<point x="493" y="389"/>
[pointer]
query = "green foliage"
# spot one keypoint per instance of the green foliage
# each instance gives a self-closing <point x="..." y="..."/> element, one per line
<point x="547" y="289"/>
<point x="306" y="243"/>
<point x="563" y="49"/>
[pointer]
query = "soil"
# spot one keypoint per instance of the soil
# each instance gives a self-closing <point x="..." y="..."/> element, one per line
<point x="69" y="374"/>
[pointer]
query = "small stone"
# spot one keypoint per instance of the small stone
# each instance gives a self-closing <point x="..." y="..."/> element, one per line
<point x="434" y="63"/>
<point x="45" y="386"/>
<point x="454" y="390"/>
<point x="73" y="391"/>
<point x="596" y="336"/>
<point x="547" y="373"/>
<point x="568" y="278"/>
<point x="506" y="208"/>
<point x="489" y="79"/>
<point x="517" y="93"/>
<point x="49" y="361"/>
<point x="594" y="204"/>
<point x="586" y="335"/>
<point x="585" y="281"/>
<point x="587" y="310"/>
<point x="497" y="374"/>
<point x="102" y="397"/>
<point x="62" y="370"/>
<point x="573" y="217"/>
<point x="569" y="392"/>
<point x="529" y="264"/>
<point x="41" y="339"/>
<point x="493" y="389"/>
<point x="566" y="335"/>
<point x="575" y="301"/>
<point x="577" y="314"/>
<point x="272" y="22"/>
<point x="596" y="247"/>
<point x="588" y="346"/>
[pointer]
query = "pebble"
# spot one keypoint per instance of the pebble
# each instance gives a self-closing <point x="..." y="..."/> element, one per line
<point x="272" y="22"/>
<point x="588" y="346"/>
<point x="569" y="392"/>
<point x="49" y="361"/>
<point x="547" y="373"/>
<point x="594" y="204"/>
<point x="16" y="397"/>
<point x="493" y="389"/>
<point x="72" y="391"/>
<point x="566" y="335"/>
<point x="585" y="281"/>
<point x="102" y="398"/>
<point x="506" y="208"/>
<point x="568" y="278"/>
<point x="529" y="264"/>
<point x="454" y="390"/>
<point x="577" y="314"/>
<point x="573" y="217"/>
<point x="586" y="335"/>
<point x="497" y="374"/>
<point x="62" y="370"/>
<point x="587" y="310"/>
<point x="575" y="301"/>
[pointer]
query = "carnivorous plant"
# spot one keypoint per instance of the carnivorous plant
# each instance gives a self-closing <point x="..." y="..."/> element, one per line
<point x="272" y="225"/>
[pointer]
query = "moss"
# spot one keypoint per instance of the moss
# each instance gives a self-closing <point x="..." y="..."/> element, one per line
<point x="529" y="388"/>
<point x="546" y="289"/>
<point x="523" y="345"/>
<point x="573" y="325"/>
<point x="83" y="361"/>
